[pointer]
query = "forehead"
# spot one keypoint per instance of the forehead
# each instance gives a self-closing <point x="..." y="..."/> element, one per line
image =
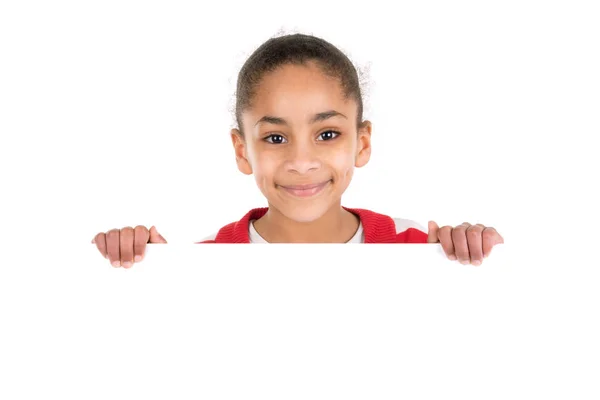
<point x="299" y="89"/>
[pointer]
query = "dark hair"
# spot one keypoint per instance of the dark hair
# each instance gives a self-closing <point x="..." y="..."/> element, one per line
<point x="297" y="49"/>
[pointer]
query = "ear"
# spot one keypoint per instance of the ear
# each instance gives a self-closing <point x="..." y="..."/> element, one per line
<point x="363" y="148"/>
<point x="241" y="154"/>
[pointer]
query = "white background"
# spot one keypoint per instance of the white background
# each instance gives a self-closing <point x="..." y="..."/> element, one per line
<point x="117" y="113"/>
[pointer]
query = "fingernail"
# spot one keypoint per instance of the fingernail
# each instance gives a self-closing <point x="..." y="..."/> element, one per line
<point x="452" y="257"/>
<point x="126" y="264"/>
<point x="116" y="264"/>
<point x="476" y="262"/>
<point x="464" y="262"/>
<point x="138" y="258"/>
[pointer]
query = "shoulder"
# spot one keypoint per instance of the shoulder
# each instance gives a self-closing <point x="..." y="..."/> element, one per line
<point x="217" y="237"/>
<point x="235" y="232"/>
<point x="409" y="231"/>
<point x="381" y="228"/>
<point x="403" y="224"/>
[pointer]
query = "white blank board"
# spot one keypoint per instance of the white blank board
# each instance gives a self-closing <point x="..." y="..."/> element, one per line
<point x="299" y="322"/>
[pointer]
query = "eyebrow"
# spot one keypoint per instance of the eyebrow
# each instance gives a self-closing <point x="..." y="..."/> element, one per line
<point x="322" y="116"/>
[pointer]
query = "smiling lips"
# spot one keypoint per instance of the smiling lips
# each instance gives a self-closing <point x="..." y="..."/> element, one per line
<point x="305" y="190"/>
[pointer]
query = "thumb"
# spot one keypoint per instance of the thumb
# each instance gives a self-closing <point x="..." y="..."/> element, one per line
<point x="432" y="236"/>
<point x="156" y="237"/>
<point x="500" y="240"/>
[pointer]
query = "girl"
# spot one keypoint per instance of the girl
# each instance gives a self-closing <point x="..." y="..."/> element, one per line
<point x="301" y="134"/>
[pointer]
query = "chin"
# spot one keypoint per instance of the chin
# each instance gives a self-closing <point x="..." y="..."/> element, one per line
<point x="304" y="213"/>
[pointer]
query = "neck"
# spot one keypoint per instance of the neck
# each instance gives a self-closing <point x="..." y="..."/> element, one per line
<point x="336" y="226"/>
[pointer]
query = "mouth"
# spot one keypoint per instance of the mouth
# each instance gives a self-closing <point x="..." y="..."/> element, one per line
<point x="307" y="190"/>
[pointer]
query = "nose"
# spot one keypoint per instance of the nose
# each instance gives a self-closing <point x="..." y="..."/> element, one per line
<point x="302" y="159"/>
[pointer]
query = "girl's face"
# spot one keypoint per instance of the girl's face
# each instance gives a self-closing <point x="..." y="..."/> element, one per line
<point x="301" y="141"/>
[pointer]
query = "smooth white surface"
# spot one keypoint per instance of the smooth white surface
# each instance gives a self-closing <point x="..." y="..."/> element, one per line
<point x="297" y="322"/>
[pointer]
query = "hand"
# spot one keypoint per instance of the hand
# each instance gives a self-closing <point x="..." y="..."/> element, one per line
<point x="467" y="243"/>
<point x="124" y="246"/>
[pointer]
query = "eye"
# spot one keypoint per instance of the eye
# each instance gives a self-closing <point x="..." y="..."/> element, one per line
<point x="329" y="135"/>
<point x="274" y="139"/>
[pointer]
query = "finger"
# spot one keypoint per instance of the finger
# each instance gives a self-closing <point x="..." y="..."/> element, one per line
<point x="490" y="238"/>
<point x="445" y="237"/>
<point x="474" y="241"/>
<point x="141" y="237"/>
<point x="461" y="247"/>
<point x="126" y="242"/>
<point x="156" y="237"/>
<point x="100" y="241"/>
<point x="432" y="236"/>
<point x="112" y="247"/>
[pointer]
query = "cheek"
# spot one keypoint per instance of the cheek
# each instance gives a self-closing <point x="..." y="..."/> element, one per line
<point x="343" y="162"/>
<point x="264" y="167"/>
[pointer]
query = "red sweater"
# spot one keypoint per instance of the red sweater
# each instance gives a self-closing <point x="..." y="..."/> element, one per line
<point x="378" y="228"/>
